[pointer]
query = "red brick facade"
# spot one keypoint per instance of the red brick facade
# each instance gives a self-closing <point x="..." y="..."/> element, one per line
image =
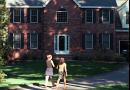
<point x="75" y="28"/>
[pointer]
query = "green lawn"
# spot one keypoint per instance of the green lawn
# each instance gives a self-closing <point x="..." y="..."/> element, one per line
<point x="122" y="86"/>
<point x="33" y="72"/>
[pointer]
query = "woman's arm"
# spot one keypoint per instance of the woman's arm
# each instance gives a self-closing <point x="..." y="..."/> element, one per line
<point x="52" y="63"/>
<point x="66" y="69"/>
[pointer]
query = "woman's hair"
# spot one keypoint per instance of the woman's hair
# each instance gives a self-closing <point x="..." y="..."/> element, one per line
<point x="62" y="60"/>
<point x="49" y="56"/>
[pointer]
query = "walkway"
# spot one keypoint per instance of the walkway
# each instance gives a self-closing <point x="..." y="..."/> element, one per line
<point x="119" y="76"/>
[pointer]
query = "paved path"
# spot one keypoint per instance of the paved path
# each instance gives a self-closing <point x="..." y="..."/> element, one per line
<point x="119" y="76"/>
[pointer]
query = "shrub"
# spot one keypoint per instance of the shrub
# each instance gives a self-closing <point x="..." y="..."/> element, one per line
<point x="2" y="76"/>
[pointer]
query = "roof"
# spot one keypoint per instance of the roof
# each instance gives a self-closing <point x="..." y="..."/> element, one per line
<point x="26" y="3"/>
<point x="96" y="3"/>
<point x="80" y="3"/>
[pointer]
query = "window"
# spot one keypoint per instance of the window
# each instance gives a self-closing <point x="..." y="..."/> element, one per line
<point x="89" y="41"/>
<point x="16" y="40"/>
<point x="89" y="16"/>
<point x="33" y="40"/>
<point x="16" y="15"/>
<point x="106" y="16"/>
<point x="62" y="16"/>
<point x="106" y="41"/>
<point x="127" y="17"/>
<point x="34" y="15"/>
<point x="61" y="45"/>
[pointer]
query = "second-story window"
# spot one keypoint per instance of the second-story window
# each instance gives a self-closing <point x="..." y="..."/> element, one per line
<point x="106" y="16"/>
<point x="33" y="15"/>
<point x="62" y="16"/>
<point x="89" y="16"/>
<point x="127" y="17"/>
<point x="16" y="15"/>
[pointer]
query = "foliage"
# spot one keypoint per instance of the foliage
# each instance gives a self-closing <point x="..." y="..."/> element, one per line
<point x="107" y="55"/>
<point x="2" y="76"/>
<point x="4" y="47"/>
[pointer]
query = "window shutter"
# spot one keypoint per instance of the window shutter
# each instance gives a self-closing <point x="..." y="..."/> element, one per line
<point x="39" y="15"/>
<point x="83" y="16"/>
<point x="39" y="41"/>
<point x="28" y="15"/>
<point x="100" y="39"/>
<point x="111" y="41"/>
<point x="94" y="16"/>
<point x="28" y="40"/>
<point x="94" y="40"/>
<point x="22" y="15"/>
<point x="11" y="15"/>
<point x="22" y="40"/>
<point x="10" y="38"/>
<point x="100" y="16"/>
<point x="83" y="41"/>
<point x="111" y="16"/>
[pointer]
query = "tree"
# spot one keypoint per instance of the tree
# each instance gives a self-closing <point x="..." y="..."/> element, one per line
<point x="4" y="46"/>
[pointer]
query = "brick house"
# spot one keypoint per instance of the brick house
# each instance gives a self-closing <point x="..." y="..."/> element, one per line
<point x="63" y="27"/>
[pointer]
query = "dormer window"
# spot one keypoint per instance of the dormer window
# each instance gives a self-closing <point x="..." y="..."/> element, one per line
<point x="17" y="15"/>
<point x="127" y="17"/>
<point x="33" y="15"/>
<point x="106" y="16"/>
<point x="62" y="16"/>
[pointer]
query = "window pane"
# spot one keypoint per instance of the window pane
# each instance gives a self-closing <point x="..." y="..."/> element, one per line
<point x="34" y="40"/>
<point x="106" y="41"/>
<point x="17" y="40"/>
<point x="127" y="17"/>
<point x="34" y="15"/>
<point x="105" y="14"/>
<point x="17" y="15"/>
<point x="61" y="16"/>
<point x="89" y="15"/>
<point x="61" y="43"/>
<point x="89" y="40"/>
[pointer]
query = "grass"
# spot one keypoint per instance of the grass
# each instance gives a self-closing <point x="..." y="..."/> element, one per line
<point x="121" y="86"/>
<point x="33" y="72"/>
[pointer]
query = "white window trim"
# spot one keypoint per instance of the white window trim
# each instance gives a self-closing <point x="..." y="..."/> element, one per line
<point x="86" y="16"/>
<point x="57" y="18"/>
<point x="31" y="16"/>
<point x="20" y="40"/>
<point x="62" y="52"/>
<point x="109" y="18"/>
<point x="14" y="15"/>
<point x="109" y="41"/>
<point x="120" y="46"/>
<point x="31" y="42"/>
<point x="92" y="42"/>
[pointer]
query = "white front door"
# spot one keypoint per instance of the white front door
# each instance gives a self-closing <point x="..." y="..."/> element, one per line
<point x="61" y="45"/>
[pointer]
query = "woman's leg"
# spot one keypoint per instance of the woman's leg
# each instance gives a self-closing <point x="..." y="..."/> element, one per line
<point x="58" y="81"/>
<point x="64" y="82"/>
<point x="53" y="84"/>
<point x="46" y="80"/>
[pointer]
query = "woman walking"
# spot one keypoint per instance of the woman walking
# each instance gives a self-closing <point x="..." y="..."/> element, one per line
<point x="49" y="70"/>
<point x="62" y="68"/>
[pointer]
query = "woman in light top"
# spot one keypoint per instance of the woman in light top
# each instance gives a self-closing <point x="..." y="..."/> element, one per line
<point x="49" y="69"/>
<point x="62" y="68"/>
